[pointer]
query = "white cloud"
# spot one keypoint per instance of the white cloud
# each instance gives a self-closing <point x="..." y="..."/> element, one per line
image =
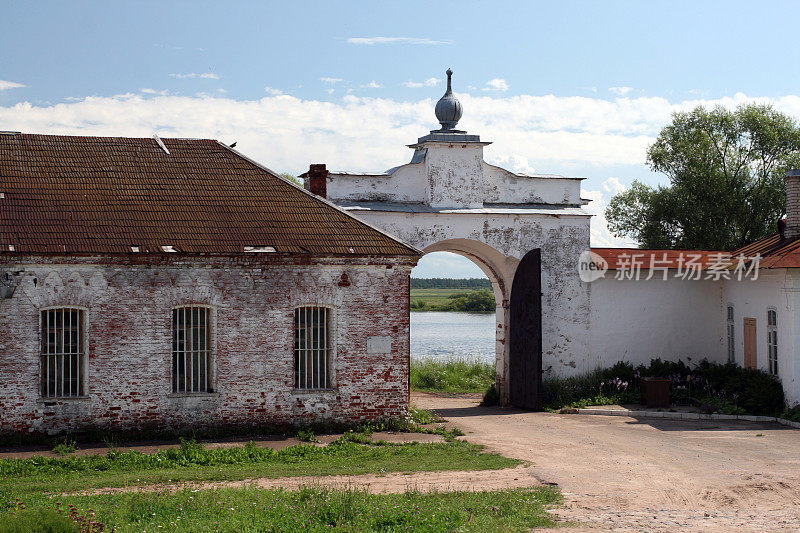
<point x="430" y="82"/>
<point x="192" y="75"/>
<point x="600" y="236"/>
<point x="368" y="134"/>
<point x="369" y="41"/>
<point x="621" y="91"/>
<point x="147" y="90"/>
<point x="5" y="85"/>
<point x="372" y="85"/>
<point x="332" y="81"/>
<point x="273" y="92"/>
<point x="441" y="264"/>
<point x="496" y="84"/>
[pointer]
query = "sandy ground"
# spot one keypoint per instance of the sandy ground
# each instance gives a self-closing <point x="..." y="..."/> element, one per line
<point x="626" y="474"/>
<point x="394" y="483"/>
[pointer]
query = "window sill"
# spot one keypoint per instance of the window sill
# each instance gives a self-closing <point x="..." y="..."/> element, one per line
<point x="315" y="391"/>
<point x="193" y="395"/>
<point x="57" y="399"/>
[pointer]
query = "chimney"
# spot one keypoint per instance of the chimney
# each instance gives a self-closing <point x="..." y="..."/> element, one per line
<point x="318" y="180"/>
<point x="792" y="230"/>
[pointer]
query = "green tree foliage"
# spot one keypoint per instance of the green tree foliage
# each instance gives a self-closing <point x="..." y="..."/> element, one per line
<point x="726" y="187"/>
<point x="292" y="178"/>
<point x="449" y="283"/>
<point x="480" y="301"/>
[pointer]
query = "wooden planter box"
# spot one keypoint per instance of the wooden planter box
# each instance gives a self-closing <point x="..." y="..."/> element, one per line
<point x="655" y="392"/>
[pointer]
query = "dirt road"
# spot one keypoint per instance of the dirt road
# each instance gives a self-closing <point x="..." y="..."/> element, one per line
<point x="625" y="474"/>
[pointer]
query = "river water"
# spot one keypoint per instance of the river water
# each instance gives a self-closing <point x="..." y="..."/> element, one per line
<point x="450" y="335"/>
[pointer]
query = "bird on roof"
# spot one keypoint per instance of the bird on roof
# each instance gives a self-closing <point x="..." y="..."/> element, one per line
<point x="232" y="145"/>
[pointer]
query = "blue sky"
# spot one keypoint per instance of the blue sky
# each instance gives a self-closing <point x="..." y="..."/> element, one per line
<point x="578" y="88"/>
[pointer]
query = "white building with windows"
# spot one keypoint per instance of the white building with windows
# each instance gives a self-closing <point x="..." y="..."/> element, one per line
<point x="749" y="316"/>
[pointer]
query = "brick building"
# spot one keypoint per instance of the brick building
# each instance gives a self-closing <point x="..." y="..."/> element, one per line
<point x="151" y="283"/>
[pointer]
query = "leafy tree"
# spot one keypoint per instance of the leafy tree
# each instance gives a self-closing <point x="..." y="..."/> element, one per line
<point x="726" y="187"/>
<point x="292" y="178"/>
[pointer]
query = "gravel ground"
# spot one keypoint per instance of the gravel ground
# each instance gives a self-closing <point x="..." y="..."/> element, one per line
<point x="628" y="474"/>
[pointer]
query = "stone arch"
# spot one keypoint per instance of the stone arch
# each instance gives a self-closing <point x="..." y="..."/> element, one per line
<point x="500" y="270"/>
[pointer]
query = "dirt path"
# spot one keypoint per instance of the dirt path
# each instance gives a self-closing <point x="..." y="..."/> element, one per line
<point x="395" y="483"/>
<point x="624" y="474"/>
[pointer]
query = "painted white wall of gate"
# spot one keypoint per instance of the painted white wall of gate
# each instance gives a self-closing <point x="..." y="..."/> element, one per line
<point x="639" y="320"/>
<point x="449" y="199"/>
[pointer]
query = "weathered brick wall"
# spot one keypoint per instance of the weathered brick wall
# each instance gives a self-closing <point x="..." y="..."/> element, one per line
<point x="129" y="303"/>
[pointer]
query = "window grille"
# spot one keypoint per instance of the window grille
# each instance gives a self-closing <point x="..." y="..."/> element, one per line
<point x="62" y="352"/>
<point x="312" y="347"/>
<point x="772" y="340"/>
<point x="731" y="337"/>
<point x="191" y="349"/>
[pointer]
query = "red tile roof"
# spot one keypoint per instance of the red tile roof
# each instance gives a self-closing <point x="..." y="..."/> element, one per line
<point x="645" y="259"/>
<point x="61" y="194"/>
<point x="775" y="252"/>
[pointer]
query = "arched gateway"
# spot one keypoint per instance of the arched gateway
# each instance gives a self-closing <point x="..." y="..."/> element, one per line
<point x="449" y="199"/>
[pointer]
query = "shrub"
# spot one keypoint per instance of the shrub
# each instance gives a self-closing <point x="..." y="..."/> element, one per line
<point x="491" y="397"/>
<point x="65" y="447"/>
<point x="792" y="414"/>
<point x="730" y="388"/>
<point x="39" y="520"/>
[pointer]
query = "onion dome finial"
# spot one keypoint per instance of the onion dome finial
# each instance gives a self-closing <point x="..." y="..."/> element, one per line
<point x="448" y="108"/>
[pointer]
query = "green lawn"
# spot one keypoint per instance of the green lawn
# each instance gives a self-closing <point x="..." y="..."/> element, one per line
<point x="309" y="509"/>
<point x="435" y="296"/>
<point x="54" y="494"/>
<point x="191" y="462"/>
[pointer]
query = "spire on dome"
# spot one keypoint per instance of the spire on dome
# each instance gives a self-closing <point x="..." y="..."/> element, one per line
<point x="448" y="108"/>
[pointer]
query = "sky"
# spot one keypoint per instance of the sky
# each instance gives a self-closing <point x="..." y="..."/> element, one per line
<point x="573" y="88"/>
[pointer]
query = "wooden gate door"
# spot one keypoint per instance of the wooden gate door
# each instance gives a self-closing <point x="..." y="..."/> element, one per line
<point x="525" y="328"/>
<point x="749" y="330"/>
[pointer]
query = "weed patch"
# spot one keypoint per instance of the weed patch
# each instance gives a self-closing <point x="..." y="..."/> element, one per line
<point x="308" y="509"/>
<point x="453" y="376"/>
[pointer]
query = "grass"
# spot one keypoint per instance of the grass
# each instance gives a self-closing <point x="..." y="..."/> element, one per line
<point x="349" y="455"/>
<point x="49" y="494"/>
<point x="452" y="376"/>
<point x="309" y="509"/>
<point x="435" y="297"/>
<point x="65" y="447"/>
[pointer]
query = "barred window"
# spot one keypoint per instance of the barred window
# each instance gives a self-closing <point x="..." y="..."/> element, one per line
<point x="62" y="356"/>
<point x="772" y="340"/>
<point x="731" y="338"/>
<point x="191" y="349"/>
<point x="312" y="348"/>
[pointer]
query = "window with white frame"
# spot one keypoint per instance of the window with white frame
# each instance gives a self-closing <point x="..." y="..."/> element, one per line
<point x="191" y="349"/>
<point x="772" y="340"/>
<point x="62" y="352"/>
<point x="731" y="337"/>
<point x="312" y="347"/>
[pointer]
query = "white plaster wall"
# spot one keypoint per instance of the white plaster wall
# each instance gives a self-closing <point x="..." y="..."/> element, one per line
<point x="639" y="320"/>
<point x="565" y="304"/>
<point x="504" y="187"/>
<point x="455" y="175"/>
<point x="406" y="184"/>
<point x="779" y="288"/>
